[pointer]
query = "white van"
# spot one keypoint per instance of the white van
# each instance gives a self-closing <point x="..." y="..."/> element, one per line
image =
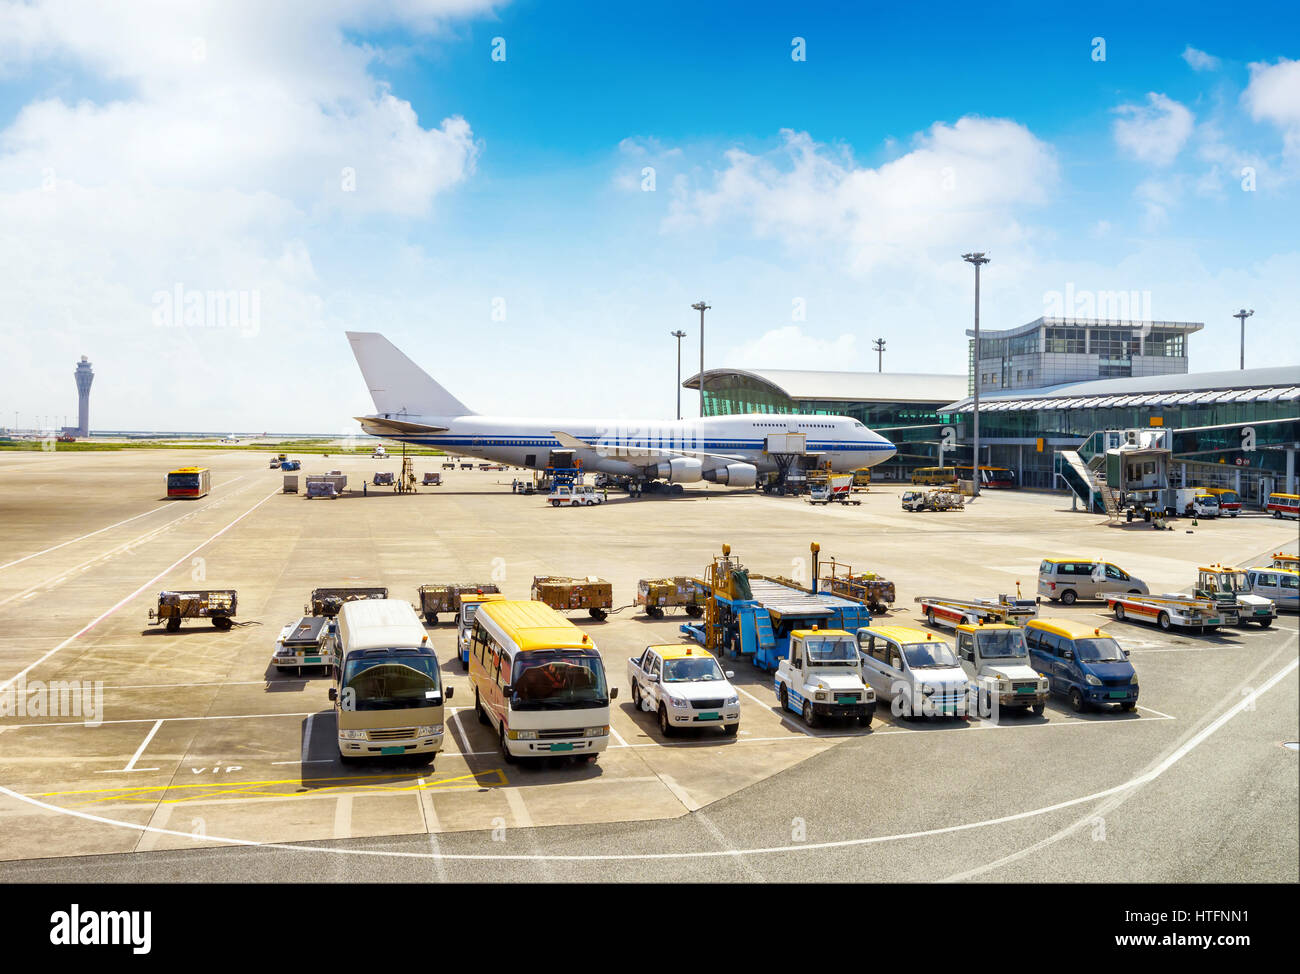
<point x="388" y="694"/>
<point x="1067" y="579"/>
<point x="579" y="495"/>
<point x="919" y="674"/>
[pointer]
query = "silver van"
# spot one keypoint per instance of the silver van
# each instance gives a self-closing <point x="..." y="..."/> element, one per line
<point x="1279" y="584"/>
<point x="1068" y="579"/>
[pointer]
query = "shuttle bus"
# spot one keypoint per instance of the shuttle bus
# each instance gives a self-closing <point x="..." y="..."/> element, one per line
<point x="189" y="482"/>
<point x="539" y="682"/>
<point x="990" y="476"/>
<point x="934" y="476"/>
<point x="1229" y="500"/>
<point x="1283" y="505"/>
<point x="388" y="693"/>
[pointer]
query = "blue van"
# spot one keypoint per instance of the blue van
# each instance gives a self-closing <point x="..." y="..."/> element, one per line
<point x="1082" y="663"/>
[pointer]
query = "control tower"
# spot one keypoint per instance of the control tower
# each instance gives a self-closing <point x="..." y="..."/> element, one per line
<point x="84" y="375"/>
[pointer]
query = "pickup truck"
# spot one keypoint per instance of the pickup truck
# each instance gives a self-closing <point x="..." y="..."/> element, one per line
<point x="822" y="678"/>
<point x="684" y="686"/>
<point x="996" y="660"/>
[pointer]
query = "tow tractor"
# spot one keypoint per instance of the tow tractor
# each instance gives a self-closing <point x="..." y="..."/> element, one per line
<point x="822" y="677"/>
<point x="754" y="615"/>
<point x="1230" y="590"/>
<point x="954" y="612"/>
<point x="1168" y="611"/>
<point x="311" y="641"/>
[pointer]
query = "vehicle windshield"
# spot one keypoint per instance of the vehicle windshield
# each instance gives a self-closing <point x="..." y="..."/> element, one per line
<point x="182" y="480"/>
<point x="1228" y="582"/>
<point x="837" y="651"/>
<point x="467" y="613"/>
<point x="692" y="669"/>
<point x="1002" y="644"/>
<point x="930" y="655"/>
<point x="558" y="678"/>
<point x="391" y="679"/>
<point x="1098" y="650"/>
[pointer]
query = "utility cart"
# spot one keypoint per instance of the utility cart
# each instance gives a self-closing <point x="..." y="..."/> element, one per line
<point x="446" y="597"/>
<point x="328" y="601"/>
<point x="567" y="594"/>
<point x="215" y="604"/>
<point x="660" y="594"/>
<point x="431" y="479"/>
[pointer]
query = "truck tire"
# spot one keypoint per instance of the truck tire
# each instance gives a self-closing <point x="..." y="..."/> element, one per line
<point x="1037" y="709"/>
<point x="1119" y="612"/>
<point x="695" y="611"/>
<point x="731" y="730"/>
<point x="1128" y="705"/>
<point x="865" y="720"/>
<point x="809" y="715"/>
<point x="929" y="616"/>
<point x="784" y="698"/>
<point x="636" y="695"/>
<point x="464" y="664"/>
<point x="1068" y="597"/>
<point x="665" y="725"/>
<point x="222" y="623"/>
<point x="174" y="624"/>
<point x="1163" y="621"/>
<point x="1077" y="703"/>
<point x="506" y="756"/>
<point x="555" y="503"/>
<point x="597" y="614"/>
<point x="1265" y="623"/>
<point x="431" y="618"/>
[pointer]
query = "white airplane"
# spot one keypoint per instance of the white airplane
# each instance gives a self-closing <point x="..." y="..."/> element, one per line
<point x="411" y="407"/>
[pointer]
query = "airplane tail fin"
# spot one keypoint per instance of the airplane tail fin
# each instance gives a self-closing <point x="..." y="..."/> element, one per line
<point x="398" y="385"/>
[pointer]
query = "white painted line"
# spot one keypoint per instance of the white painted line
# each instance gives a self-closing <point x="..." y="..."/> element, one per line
<point x="461" y="741"/>
<point x="46" y="551"/>
<point x="517" y="808"/>
<point x="775" y="710"/>
<point x="1156" y="712"/>
<point x="343" y="817"/>
<point x="306" y="739"/>
<point x="315" y="761"/>
<point x="431" y="821"/>
<point x="145" y="720"/>
<point x="104" y="615"/>
<point x="680" y="793"/>
<point x="617" y="736"/>
<point x="130" y="765"/>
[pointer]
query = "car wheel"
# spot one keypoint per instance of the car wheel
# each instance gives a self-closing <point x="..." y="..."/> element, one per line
<point x="464" y="665"/>
<point x="929" y="616"/>
<point x="809" y="715"/>
<point x="479" y="712"/>
<point x="731" y="730"/>
<point x="665" y="725"/>
<point x="1119" y="612"/>
<point x="784" y="698"/>
<point x="555" y="503"/>
<point x="1077" y="703"/>
<point x="1068" y="597"/>
<point x="1265" y="623"/>
<point x="636" y="695"/>
<point x="1038" y="709"/>
<point x="1163" y="621"/>
<point x="1128" y="705"/>
<point x="505" y="751"/>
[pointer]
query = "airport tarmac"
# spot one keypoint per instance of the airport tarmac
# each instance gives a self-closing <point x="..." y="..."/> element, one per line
<point x="207" y="764"/>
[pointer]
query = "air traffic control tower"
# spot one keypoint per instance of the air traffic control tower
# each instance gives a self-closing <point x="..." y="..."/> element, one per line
<point x="84" y="375"/>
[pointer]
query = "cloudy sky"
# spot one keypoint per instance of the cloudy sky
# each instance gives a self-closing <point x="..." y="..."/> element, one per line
<point x="527" y="197"/>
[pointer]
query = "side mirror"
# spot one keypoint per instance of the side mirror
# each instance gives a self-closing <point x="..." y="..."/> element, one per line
<point x="1127" y="654"/>
<point x="448" y="692"/>
<point x="653" y="677"/>
<point x="730" y="674"/>
<point x="508" y="690"/>
<point x="1068" y="654"/>
<point x="334" y="694"/>
<point x="613" y="693"/>
<point x="896" y="663"/>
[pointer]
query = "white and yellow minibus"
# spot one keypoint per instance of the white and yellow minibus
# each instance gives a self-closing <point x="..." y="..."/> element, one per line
<point x="388" y="693"/>
<point x="539" y="682"/>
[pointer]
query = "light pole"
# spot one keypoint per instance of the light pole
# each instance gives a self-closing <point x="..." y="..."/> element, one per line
<point x="679" y="335"/>
<point x="701" y="307"/>
<point x="1243" y="314"/>
<point x="879" y="346"/>
<point x="978" y="260"/>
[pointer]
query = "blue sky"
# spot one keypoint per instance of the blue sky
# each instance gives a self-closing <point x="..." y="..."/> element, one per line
<point x="498" y="224"/>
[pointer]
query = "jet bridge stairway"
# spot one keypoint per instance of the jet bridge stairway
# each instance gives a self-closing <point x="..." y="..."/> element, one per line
<point x="1088" y="483"/>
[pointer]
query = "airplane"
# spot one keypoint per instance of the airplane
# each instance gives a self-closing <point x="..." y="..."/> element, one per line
<point x="411" y="407"/>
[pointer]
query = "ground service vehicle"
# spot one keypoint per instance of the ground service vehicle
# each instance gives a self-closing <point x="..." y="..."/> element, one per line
<point x="189" y="482"/>
<point x="576" y="495"/>
<point x="934" y="476"/>
<point x="862" y="478"/>
<point x="917" y="673"/>
<point x="1230" y="589"/>
<point x="469" y="603"/>
<point x="838" y="489"/>
<point x="1282" y="585"/>
<point x="388" y="694"/>
<point x="539" y="682"/>
<point x="866" y="587"/>
<point x="1283" y="505"/>
<point x="566" y="594"/>
<point x="219" y="605"/>
<point x="432" y="478"/>
<point x="291" y="483"/>
<point x="684" y="686"/>
<point x="995" y="477"/>
<point x="1229" y="500"/>
<point x="952" y="612"/>
<point x="1082" y="663"/>
<point x="1167" y="611"/>
<point x="1067" y="580"/>
<point x="658" y="595"/>
<point x="311" y="641"/>
<point x="821" y="677"/>
<point x="1194" y="502"/>
<point x="328" y="601"/>
<point x="995" y="657"/>
<point x="932" y="500"/>
<point x="275" y="463"/>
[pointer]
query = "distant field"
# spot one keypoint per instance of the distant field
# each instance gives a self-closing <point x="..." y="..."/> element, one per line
<point x="334" y="447"/>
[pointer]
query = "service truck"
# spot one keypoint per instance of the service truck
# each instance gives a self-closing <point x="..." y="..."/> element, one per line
<point x="951" y="612"/>
<point x="996" y="660"/>
<point x="837" y="488"/>
<point x="1230" y="590"/>
<point x="821" y="677"/>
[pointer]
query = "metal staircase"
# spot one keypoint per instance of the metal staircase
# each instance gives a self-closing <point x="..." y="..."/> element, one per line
<point x="1088" y="482"/>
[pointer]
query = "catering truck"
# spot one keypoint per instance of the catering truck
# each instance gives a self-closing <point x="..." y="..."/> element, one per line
<point x="996" y="659"/>
<point x="388" y="694"/>
<point x="821" y="677"/>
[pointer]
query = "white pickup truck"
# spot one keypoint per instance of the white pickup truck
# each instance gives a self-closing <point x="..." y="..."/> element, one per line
<point x="821" y="677"/>
<point x="996" y="659"/>
<point x="684" y="686"/>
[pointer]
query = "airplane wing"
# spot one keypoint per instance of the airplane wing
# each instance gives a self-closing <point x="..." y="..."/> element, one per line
<point x="636" y="453"/>
<point x="395" y="427"/>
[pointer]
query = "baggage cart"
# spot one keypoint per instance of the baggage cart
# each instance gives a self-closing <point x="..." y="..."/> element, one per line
<point x="327" y="601"/>
<point x="567" y="594"/>
<point x="216" y="604"/>
<point x="657" y="595"/>
<point x="445" y="597"/>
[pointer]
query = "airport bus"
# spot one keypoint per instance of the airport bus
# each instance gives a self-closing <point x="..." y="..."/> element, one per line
<point x="990" y="476"/>
<point x="934" y="476"/>
<point x="1284" y="505"/>
<point x="388" y="693"/>
<point x="189" y="482"/>
<point x="539" y="682"/>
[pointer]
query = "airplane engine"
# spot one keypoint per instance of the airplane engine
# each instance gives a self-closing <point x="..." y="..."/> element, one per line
<point x="733" y="475"/>
<point x="680" y="470"/>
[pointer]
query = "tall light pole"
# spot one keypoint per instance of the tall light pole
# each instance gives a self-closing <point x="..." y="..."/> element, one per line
<point x="1243" y="314"/>
<point x="978" y="260"/>
<point x="679" y="335"/>
<point x="879" y="346"/>
<point x="701" y="307"/>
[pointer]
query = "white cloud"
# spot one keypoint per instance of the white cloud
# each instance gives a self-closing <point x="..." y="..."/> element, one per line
<point x="789" y="347"/>
<point x="1155" y="132"/>
<point x="959" y="182"/>
<point x="1273" y="95"/>
<point x="1199" y="60"/>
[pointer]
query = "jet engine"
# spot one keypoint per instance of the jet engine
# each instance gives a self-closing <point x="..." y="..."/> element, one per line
<point x="733" y="475"/>
<point x="680" y="470"/>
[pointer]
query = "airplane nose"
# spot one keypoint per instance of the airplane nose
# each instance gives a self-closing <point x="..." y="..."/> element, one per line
<point x="892" y="451"/>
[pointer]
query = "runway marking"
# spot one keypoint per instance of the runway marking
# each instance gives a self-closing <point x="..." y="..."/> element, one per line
<point x="46" y="551"/>
<point x="145" y="720"/>
<point x="518" y="809"/>
<point x="130" y="765"/>
<point x="343" y="817"/>
<point x="306" y="739"/>
<point x="777" y="712"/>
<point x="104" y="615"/>
<point x="617" y="736"/>
<point x="1151" y="710"/>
